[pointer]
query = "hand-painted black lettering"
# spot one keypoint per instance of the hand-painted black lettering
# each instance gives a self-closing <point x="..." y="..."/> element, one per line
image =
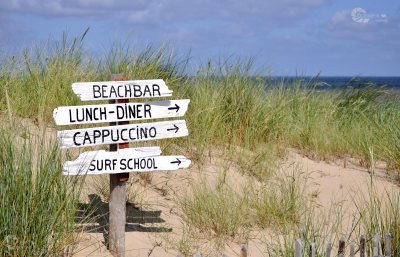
<point x="122" y="164"/>
<point x="74" y="138"/>
<point x="147" y="111"/>
<point x="156" y="90"/>
<point x="96" y="91"/>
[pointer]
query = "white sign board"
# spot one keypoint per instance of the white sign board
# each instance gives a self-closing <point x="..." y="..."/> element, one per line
<point x="85" y="114"/>
<point x="88" y="91"/>
<point x="124" y="160"/>
<point x="122" y="133"/>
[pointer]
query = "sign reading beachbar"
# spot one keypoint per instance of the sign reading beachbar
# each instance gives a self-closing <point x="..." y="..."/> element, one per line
<point x="122" y="133"/>
<point x="88" y="91"/>
<point x="124" y="160"/>
<point x="86" y="114"/>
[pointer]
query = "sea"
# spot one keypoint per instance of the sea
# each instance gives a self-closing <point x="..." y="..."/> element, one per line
<point x="338" y="82"/>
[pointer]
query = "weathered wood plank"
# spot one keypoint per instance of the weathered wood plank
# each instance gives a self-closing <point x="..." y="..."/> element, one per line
<point x="375" y="249"/>
<point x="328" y="249"/>
<point x="312" y="250"/>
<point x="88" y="91"/>
<point x="87" y="114"/>
<point x="352" y="249"/>
<point x="388" y="245"/>
<point x="342" y="246"/>
<point x="122" y="133"/>
<point x="126" y="160"/>
<point x="298" y="248"/>
<point x="362" y="246"/>
<point x="244" y="250"/>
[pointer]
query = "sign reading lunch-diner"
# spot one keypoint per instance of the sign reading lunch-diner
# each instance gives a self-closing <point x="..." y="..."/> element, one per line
<point x="85" y="114"/>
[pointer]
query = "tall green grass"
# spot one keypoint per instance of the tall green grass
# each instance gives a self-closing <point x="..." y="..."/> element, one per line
<point x="38" y="204"/>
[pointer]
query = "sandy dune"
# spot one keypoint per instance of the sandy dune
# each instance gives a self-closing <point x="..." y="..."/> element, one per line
<point x="329" y="183"/>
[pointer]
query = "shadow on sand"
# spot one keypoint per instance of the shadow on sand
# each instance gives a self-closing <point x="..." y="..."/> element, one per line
<point x="93" y="218"/>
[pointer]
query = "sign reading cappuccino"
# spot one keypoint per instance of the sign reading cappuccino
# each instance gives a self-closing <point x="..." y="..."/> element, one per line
<point x="122" y="133"/>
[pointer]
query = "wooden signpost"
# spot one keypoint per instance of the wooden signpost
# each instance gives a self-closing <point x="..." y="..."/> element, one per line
<point x="121" y="160"/>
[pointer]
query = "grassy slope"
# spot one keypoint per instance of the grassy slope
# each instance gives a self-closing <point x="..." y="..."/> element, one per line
<point x="227" y="104"/>
<point x="228" y="108"/>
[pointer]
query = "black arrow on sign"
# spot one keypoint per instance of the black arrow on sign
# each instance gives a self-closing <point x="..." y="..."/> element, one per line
<point x="177" y="161"/>
<point x="176" y="107"/>
<point x="176" y="128"/>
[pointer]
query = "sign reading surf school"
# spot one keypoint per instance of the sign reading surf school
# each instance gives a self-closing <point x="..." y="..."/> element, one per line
<point x="124" y="160"/>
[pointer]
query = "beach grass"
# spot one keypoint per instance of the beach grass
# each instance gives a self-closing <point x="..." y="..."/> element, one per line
<point x="38" y="204"/>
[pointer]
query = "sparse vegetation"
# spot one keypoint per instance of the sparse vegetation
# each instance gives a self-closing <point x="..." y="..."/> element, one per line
<point x="379" y="213"/>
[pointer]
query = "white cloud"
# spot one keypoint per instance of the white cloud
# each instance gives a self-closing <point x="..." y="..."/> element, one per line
<point x="170" y="10"/>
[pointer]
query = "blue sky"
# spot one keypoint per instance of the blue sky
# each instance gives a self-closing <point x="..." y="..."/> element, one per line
<point x="285" y="37"/>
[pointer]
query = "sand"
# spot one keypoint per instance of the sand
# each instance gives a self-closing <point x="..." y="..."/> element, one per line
<point x="330" y="184"/>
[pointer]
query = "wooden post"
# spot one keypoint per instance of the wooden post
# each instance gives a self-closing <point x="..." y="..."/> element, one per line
<point x="297" y="248"/>
<point x="328" y="249"/>
<point x="375" y="250"/>
<point x="352" y="249"/>
<point x="342" y="245"/>
<point x="117" y="203"/>
<point x="362" y="246"/>
<point x="312" y="250"/>
<point x="388" y="245"/>
<point x="243" y="250"/>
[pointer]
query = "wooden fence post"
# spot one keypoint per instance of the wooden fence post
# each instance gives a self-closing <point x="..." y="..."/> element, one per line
<point x="352" y="249"/>
<point x="328" y="249"/>
<point x="342" y="245"/>
<point x="297" y="248"/>
<point x="117" y="203"/>
<point x="375" y="250"/>
<point x="388" y="245"/>
<point x="243" y="250"/>
<point x="362" y="246"/>
<point x="312" y="250"/>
